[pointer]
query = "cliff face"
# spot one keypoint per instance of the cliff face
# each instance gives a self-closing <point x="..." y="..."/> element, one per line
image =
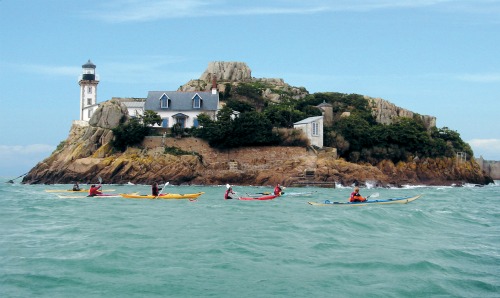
<point x="386" y="112"/>
<point x="87" y="154"/>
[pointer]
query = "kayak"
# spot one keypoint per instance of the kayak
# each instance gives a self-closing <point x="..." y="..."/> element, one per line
<point x="261" y="198"/>
<point x="70" y="190"/>
<point x="163" y="196"/>
<point x="66" y="190"/>
<point x="104" y="195"/>
<point x="403" y="200"/>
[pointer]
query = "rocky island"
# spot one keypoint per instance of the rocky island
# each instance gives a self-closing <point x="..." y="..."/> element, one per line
<point x="88" y="153"/>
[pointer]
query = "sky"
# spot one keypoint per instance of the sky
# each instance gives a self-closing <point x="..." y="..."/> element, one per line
<point x="433" y="57"/>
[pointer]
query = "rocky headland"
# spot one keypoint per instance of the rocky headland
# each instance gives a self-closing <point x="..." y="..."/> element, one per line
<point x="87" y="152"/>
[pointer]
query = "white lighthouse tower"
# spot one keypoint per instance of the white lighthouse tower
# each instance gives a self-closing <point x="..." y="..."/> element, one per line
<point x="88" y="91"/>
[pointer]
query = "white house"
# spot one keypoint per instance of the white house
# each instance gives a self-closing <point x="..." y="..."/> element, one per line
<point x="313" y="128"/>
<point x="182" y="107"/>
<point x="135" y="106"/>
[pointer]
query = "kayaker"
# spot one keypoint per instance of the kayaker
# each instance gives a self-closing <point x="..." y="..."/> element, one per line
<point x="355" y="196"/>
<point x="76" y="187"/>
<point x="277" y="190"/>
<point x="94" y="190"/>
<point x="155" y="189"/>
<point x="227" y="195"/>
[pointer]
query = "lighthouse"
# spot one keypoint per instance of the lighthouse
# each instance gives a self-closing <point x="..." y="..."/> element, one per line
<point x="88" y="81"/>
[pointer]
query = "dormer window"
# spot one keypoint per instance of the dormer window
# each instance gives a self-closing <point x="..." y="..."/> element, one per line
<point x="196" y="101"/>
<point x="164" y="101"/>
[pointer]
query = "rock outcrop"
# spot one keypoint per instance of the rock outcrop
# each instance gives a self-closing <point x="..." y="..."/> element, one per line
<point x="386" y="112"/>
<point x="235" y="73"/>
<point x="227" y="72"/>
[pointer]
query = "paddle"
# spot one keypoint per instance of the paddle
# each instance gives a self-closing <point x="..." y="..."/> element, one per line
<point x="161" y="190"/>
<point x="100" y="181"/>
<point x="12" y="180"/>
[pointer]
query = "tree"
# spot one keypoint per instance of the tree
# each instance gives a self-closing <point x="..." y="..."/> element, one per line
<point x="128" y="134"/>
<point x="150" y="118"/>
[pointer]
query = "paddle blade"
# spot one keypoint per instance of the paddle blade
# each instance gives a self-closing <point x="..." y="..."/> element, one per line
<point x="228" y="186"/>
<point x="100" y="179"/>
<point x="373" y="195"/>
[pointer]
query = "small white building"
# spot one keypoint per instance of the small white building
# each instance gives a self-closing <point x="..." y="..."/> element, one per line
<point x="135" y="106"/>
<point x="313" y="128"/>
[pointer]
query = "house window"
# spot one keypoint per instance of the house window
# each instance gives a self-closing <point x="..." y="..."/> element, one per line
<point x="164" y="122"/>
<point x="315" y="129"/>
<point x="164" y="101"/>
<point x="89" y="114"/>
<point x="90" y="90"/>
<point x="196" y="102"/>
<point x="195" y="122"/>
<point x="89" y="101"/>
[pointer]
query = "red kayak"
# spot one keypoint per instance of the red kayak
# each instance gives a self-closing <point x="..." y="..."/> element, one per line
<point x="261" y="198"/>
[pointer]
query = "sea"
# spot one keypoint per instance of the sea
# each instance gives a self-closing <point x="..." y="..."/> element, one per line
<point x="445" y="244"/>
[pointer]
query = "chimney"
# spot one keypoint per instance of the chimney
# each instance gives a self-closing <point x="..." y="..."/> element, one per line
<point x="214" y="84"/>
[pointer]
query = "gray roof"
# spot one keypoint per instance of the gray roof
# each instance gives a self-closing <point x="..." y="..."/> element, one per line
<point x="308" y="120"/>
<point x="324" y="104"/>
<point x="89" y="64"/>
<point x="182" y="101"/>
<point x="134" y="104"/>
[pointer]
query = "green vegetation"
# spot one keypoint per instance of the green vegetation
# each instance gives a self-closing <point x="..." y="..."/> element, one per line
<point x="60" y="146"/>
<point x="359" y="140"/>
<point x="178" y="151"/>
<point x="151" y="118"/>
<point x="357" y="137"/>
<point x="129" y="134"/>
<point x="132" y="133"/>
<point x="248" y="129"/>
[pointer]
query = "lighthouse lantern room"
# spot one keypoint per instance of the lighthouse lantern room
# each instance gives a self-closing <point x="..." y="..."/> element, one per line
<point x="88" y="91"/>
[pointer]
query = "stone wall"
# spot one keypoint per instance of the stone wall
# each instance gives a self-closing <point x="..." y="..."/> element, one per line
<point x="267" y="156"/>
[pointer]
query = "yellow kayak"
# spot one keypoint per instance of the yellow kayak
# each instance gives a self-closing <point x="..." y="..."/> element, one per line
<point x="163" y="196"/>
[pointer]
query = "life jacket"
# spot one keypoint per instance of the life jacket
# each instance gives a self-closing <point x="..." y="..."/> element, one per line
<point x="356" y="198"/>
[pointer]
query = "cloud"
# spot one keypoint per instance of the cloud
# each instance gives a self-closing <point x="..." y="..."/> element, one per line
<point x="480" y="78"/>
<point x="119" y="11"/>
<point x="50" y="70"/>
<point x="19" y="150"/>
<point x="145" y="69"/>
<point x="18" y="159"/>
<point x="488" y="148"/>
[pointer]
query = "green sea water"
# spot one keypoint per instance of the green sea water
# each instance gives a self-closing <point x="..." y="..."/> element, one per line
<point x="445" y="244"/>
